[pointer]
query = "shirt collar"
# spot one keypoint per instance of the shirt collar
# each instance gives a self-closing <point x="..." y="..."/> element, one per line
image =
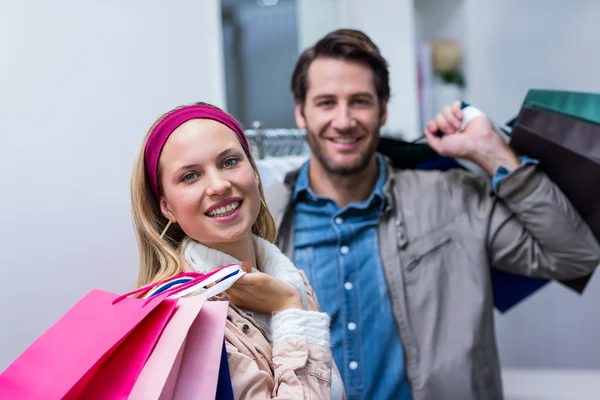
<point x="303" y="183"/>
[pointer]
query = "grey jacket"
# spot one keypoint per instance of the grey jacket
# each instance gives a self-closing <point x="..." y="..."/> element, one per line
<point x="439" y="235"/>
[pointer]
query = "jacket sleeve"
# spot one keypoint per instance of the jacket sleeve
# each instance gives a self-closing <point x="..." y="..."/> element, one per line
<point x="301" y="358"/>
<point x="531" y="228"/>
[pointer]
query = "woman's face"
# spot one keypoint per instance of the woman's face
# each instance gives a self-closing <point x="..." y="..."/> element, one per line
<point x="209" y="186"/>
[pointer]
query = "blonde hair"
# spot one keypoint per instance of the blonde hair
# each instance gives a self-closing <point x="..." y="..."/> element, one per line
<point x="161" y="258"/>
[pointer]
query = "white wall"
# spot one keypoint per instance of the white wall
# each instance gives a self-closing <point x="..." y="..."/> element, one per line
<point x="515" y="45"/>
<point x="316" y="18"/>
<point x="80" y="83"/>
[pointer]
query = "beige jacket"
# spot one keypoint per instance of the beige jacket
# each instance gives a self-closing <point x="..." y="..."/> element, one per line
<point x="283" y="357"/>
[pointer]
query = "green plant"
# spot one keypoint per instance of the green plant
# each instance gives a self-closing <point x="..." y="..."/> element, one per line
<point x="454" y="77"/>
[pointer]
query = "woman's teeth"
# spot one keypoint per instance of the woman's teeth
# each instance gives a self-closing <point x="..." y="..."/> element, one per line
<point x="225" y="210"/>
<point x="345" y="140"/>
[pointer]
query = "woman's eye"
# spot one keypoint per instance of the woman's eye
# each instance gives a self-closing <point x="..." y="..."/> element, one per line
<point x="189" y="177"/>
<point x="230" y="162"/>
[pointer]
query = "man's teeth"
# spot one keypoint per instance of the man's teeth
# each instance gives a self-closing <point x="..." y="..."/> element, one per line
<point x="225" y="210"/>
<point x="345" y="140"/>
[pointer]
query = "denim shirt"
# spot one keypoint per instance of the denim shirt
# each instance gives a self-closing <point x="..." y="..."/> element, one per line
<point x="338" y="249"/>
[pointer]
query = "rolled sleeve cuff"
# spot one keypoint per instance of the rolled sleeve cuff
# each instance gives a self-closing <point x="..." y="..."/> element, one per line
<point x="502" y="172"/>
<point x="290" y="324"/>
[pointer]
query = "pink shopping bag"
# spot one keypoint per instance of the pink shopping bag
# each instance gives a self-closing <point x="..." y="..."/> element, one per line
<point x="96" y="350"/>
<point x="186" y="361"/>
<point x="159" y="375"/>
<point x="199" y="370"/>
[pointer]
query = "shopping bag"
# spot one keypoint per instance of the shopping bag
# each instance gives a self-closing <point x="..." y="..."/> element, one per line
<point x="201" y="361"/>
<point x="188" y="358"/>
<point x="95" y="351"/>
<point x="224" y="386"/>
<point x="561" y="129"/>
<point x="159" y="376"/>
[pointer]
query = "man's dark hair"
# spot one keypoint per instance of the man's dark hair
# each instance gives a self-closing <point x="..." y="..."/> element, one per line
<point x="343" y="44"/>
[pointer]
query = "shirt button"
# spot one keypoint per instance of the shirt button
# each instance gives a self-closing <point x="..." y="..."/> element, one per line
<point x="353" y="365"/>
<point x="339" y="220"/>
<point x="348" y="286"/>
<point x="344" y="249"/>
<point x="351" y="326"/>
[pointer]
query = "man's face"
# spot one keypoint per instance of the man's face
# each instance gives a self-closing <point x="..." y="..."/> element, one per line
<point x="342" y="115"/>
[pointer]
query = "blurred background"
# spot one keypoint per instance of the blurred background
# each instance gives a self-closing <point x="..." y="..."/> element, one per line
<point x="81" y="82"/>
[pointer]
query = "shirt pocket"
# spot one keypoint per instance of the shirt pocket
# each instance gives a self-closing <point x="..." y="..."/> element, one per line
<point x="425" y="250"/>
<point x="432" y="257"/>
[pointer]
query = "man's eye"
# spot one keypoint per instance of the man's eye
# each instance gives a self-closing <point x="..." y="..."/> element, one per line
<point x="325" y="103"/>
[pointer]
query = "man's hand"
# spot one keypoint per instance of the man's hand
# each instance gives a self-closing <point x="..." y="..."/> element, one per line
<point x="478" y="142"/>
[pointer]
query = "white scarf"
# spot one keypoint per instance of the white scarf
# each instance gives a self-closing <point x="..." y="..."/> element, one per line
<point x="269" y="259"/>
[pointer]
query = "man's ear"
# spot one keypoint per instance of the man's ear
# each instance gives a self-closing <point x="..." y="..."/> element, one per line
<point x="166" y="209"/>
<point x="383" y="113"/>
<point x="299" y="115"/>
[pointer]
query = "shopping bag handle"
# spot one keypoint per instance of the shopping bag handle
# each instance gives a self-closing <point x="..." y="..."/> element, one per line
<point x="145" y="289"/>
<point x="223" y="279"/>
<point x="201" y="281"/>
<point x="469" y="113"/>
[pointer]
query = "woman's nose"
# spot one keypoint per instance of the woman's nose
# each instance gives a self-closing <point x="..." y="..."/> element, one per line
<point x="217" y="184"/>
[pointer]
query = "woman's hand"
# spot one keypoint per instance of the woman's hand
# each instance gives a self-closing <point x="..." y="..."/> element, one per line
<point x="263" y="293"/>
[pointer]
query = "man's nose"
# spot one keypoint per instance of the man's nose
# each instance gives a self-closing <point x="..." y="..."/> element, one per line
<point x="343" y="119"/>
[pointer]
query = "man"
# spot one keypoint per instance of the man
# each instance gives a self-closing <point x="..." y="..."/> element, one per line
<point x="400" y="259"/>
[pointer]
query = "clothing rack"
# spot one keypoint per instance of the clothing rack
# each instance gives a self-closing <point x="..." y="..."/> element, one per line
<point x="276" y="142"/>
<point x="266" y="143"/>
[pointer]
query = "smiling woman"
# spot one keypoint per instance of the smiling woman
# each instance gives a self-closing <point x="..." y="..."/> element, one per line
<point x="197" y="205"/>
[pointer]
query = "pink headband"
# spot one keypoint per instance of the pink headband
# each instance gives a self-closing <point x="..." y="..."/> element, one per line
<point x="163" y="130"/>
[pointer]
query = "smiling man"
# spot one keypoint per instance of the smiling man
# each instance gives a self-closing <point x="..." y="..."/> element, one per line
<point x="400" y="259"/>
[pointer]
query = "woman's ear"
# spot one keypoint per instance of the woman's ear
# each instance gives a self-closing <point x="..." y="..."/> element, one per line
<point x="257" y="178"/>
<point x="166" y="209"/>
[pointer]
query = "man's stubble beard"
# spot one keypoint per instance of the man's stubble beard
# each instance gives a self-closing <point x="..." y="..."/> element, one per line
<point x="346" y="170"/>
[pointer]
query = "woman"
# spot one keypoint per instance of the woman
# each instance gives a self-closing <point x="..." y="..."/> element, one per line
<point x="197" y="205"/>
